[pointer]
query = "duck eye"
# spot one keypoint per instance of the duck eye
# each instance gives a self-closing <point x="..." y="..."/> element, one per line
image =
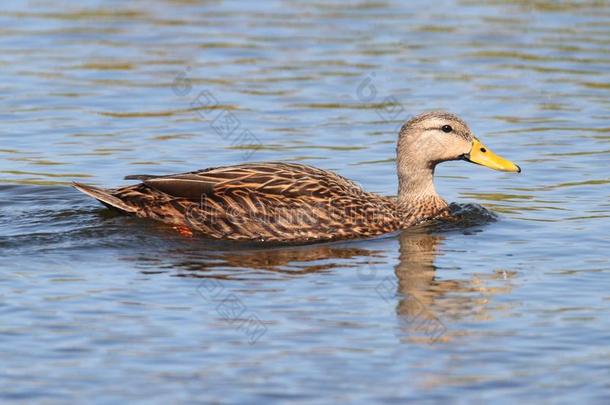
<point x="446" y="128"/>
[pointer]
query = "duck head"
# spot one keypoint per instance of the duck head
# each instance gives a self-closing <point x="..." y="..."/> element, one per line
<point x="432" y="138"/>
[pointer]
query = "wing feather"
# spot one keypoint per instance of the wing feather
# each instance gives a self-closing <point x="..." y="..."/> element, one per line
<point x="276" y="178"/>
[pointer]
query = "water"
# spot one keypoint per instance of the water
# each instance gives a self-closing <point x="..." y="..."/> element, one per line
<point x="100" y="307"/>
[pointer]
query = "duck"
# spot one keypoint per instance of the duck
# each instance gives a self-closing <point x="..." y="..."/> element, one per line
<point x="296" y="203"/>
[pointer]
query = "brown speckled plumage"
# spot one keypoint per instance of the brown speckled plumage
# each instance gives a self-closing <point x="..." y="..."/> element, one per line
<point x="288" y="202"/>
<point x="280" y="202"/>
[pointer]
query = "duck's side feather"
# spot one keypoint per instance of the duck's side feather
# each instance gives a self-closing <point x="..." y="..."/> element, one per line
<point x="274" y="201"/>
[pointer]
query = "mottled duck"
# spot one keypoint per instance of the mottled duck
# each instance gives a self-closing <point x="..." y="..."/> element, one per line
<point x="295" y="203"/>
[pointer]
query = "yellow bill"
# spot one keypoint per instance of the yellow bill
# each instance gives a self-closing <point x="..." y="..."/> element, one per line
<point x="481" y="155"/>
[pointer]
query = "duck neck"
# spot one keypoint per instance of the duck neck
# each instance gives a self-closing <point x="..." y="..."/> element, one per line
<point x="415" y="183"/>
<point x="416" y="192"/>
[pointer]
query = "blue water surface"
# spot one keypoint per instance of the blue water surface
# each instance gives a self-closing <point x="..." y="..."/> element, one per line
<point x="103" y="308"/>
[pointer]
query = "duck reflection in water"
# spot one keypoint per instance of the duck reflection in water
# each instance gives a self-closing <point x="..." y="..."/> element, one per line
<point x="425" y="306"/>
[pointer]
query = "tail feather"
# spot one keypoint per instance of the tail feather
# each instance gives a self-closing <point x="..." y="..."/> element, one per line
<point x="104" y="197"/>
